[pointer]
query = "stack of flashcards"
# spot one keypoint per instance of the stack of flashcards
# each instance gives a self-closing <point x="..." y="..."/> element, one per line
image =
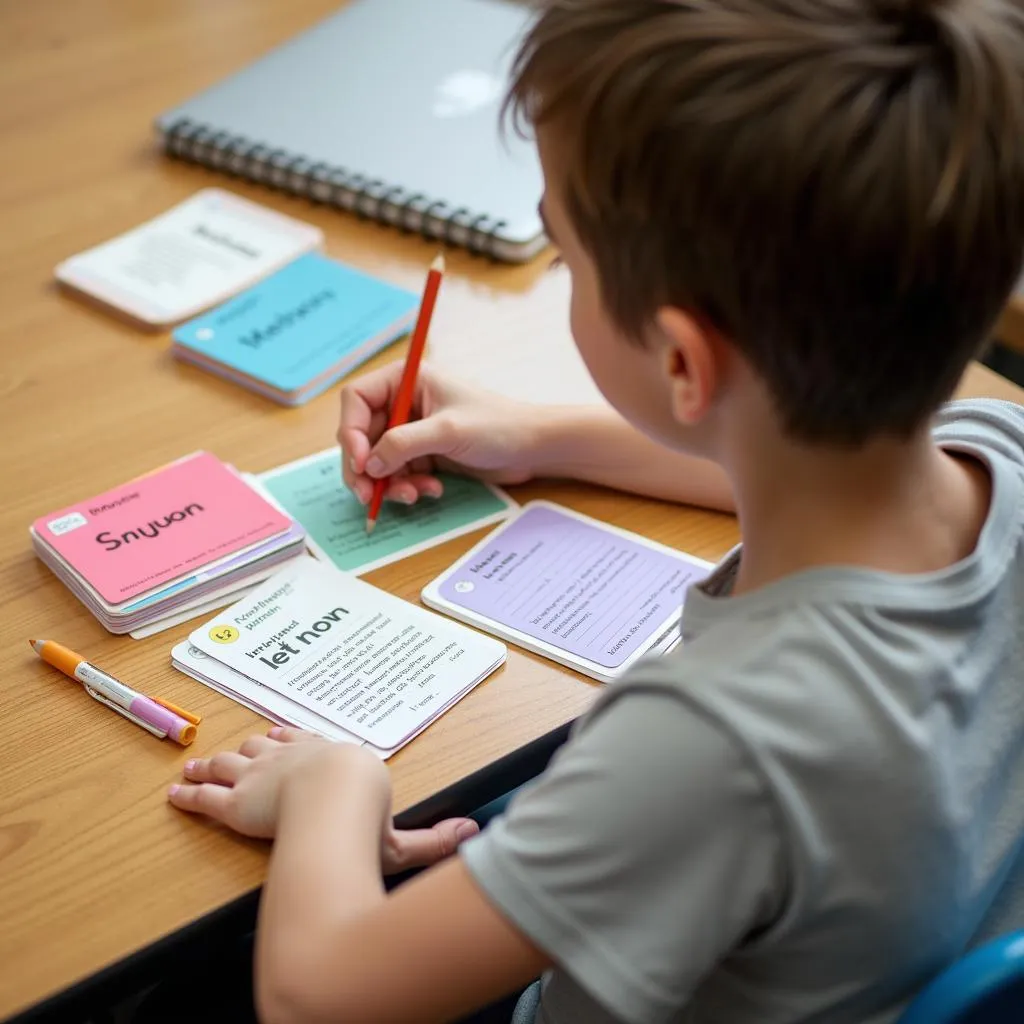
<point x="585" y="594"/>
<point x="319" y="649"/>
<point x="188" y="259"/>
<point x="167" y="546"/>
<point x="293" y="335"/>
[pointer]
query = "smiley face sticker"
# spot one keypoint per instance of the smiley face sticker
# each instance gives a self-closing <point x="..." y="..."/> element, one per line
<point x="223" y="634"/>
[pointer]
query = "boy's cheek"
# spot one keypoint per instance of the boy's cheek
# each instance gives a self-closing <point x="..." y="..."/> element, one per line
<point x="625" y="373"/>
<point x="590" y="327"/>
<point x="590" y="342"/>
<point x="608" y="360"/>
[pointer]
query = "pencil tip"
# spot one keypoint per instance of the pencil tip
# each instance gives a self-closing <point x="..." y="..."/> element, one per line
<point x="370" y="524"/>
<point x="35" y="645"/>
<point x="438" y="263"/>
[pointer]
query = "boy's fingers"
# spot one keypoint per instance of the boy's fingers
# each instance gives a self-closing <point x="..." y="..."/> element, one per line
<point x="403" y="444"/>
<point x="356" y="443"/>
<point x="367" y="394"/>
<point x="422" y="847"/>
<point x="362" y="488"/>
<point x="429" y="486"/>
<point x="225" y="768"/>
<point x="359" y="401"/>
<point x="286" y="734"/>
<point x="401" y="492"/>
<point x="355" y="414"/>
<point x="378" y="389"/>
<point x="355" y="447"/>
<point x="254" y="745"/>
<point x="367" y="400"/>
<point x="406" y="490"/>
<point x="205" y="798"/>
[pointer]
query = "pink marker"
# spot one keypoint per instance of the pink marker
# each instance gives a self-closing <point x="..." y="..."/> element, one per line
<point x="159" y="717"/>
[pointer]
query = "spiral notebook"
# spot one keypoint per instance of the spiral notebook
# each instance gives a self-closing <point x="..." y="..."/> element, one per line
<point x="388" y="109"/>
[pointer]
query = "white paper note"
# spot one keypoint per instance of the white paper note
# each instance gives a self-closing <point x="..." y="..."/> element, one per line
<point x="185" y="260"/>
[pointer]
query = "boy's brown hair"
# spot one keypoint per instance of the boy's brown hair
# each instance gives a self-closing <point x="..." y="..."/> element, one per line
<point x="836" y="185"/>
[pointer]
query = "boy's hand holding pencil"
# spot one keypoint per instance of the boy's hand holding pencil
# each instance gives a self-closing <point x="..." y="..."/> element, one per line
<point x="401" y="424"/>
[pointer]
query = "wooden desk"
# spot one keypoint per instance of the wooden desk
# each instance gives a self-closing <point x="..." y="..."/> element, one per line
<point x="93" y="863"/>
<point x="1011" y="326"/>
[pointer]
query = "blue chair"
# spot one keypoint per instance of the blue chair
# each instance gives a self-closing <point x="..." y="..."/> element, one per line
<point x="984" y="987"/>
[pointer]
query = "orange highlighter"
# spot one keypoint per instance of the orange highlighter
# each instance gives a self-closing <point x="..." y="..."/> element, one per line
<point x="159" y="717"/>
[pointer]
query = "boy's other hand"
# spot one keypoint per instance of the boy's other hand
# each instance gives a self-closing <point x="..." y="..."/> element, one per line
<point x="243" y="790"/>
<point x="453" y="426"/>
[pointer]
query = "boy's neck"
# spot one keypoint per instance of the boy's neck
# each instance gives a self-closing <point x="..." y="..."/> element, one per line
<point x="900" y="507"/>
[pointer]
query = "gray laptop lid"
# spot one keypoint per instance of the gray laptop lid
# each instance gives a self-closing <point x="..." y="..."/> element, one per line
<point x="406" y="92"/>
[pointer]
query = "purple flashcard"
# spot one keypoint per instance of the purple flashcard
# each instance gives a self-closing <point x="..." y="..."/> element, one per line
<point x="584" y="588"/>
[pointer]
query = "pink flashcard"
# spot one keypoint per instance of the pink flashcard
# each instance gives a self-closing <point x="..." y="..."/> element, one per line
<point x="160" y="527"/>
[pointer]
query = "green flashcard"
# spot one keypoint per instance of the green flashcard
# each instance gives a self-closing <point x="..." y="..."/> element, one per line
<point x="312" y="492"/>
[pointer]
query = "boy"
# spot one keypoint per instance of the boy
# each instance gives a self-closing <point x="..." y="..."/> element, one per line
<point x="790" y="224"/>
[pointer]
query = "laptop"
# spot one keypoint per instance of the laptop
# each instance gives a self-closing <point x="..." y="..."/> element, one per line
<point x="390" y="109"/>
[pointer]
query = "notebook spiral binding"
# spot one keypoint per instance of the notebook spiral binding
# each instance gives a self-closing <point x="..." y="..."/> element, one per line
<point x="368" y="198"/>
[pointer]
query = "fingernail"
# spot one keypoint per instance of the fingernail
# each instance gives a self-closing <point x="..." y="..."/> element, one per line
<point x="374" y="466"/>
<point x="276" y="732"/>
<point x="352" y="464"/>
<point x="190" y="765"/>
<point x="360" y="496"/>
<point x="174" y="789"/>
<point x="466" y="830"/>
<point x="405" y="499"/>
<point x="432" y="491"/>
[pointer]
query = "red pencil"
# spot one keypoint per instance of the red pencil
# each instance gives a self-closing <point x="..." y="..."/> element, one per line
<point x="407" y="388"/>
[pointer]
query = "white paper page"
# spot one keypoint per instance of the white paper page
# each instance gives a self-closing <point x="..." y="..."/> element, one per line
<point x="266" y="702"/>
<point x="261" y="699"/>
<point x="367" y="661"/>
<point x="196" y="254"/>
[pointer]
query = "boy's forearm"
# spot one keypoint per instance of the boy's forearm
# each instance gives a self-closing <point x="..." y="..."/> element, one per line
<point x="324" y="873"/>
<point x="595" y="444"/>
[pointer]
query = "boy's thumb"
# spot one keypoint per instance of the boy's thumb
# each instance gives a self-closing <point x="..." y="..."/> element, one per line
<point x="400" y="445"/>
<point x="422" y="847"/>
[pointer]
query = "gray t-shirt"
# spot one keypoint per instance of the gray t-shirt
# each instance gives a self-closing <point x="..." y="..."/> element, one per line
<point x="807" y="810"/>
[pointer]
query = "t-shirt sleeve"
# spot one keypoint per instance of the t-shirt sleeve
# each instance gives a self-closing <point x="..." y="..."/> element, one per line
<point x="646" y="852"/>
<point x="984" y="422"/>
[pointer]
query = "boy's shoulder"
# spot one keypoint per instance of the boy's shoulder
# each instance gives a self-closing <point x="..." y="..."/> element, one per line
<point x="827" y="647"/>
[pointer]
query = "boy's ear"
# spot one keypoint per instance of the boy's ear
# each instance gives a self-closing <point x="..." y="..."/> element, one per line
<point x="691" y="364"/>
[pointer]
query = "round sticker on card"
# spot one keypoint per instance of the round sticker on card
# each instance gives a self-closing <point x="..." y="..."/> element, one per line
<point x="463" y="587"/>
<point x="223" y="634"/>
